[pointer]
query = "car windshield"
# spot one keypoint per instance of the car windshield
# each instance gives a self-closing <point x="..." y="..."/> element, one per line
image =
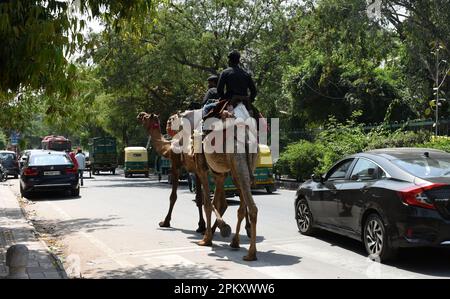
<point x="425" y="167"/>
<point x="7" y="156"/>
<point x="39" y="160"/>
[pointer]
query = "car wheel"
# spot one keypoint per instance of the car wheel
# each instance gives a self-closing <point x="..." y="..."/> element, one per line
<point x="376" y="240"/>
<point x="304" y="218"/>
<point x="269" y="189"/>
<point x="113" y="171"/>
<point x="16" y="176"/>
<point x="75" y="192"/>
<point x="24" y="193"/>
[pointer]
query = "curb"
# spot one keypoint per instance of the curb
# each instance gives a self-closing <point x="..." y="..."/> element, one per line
<point x="55" y="259"/>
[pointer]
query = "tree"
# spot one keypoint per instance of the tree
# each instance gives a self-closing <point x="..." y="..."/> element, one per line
<point x="345" y="62"/>
<point x="37" y="37"/>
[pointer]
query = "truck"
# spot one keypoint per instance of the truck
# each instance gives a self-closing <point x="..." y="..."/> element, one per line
<point x="103" y="154"/>
<point x="56" y="143"/>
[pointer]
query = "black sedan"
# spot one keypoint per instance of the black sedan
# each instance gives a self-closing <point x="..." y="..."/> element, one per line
<point x="388" y="198"/>
<point x="48" y="171"/>
<point x="10" y="163"/>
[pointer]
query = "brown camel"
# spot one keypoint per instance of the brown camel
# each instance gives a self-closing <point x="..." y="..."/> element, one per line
<point x="220" y="202"/>
<point x="241" y="166"/>
<point x="163" y="147"/>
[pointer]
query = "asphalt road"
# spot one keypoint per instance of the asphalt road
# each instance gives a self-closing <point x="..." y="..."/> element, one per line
<point x="112" y="231"/>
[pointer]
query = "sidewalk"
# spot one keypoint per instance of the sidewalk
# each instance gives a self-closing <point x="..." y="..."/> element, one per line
<point x="15" y="229"/>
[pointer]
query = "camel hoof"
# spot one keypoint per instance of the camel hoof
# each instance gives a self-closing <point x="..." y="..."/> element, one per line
<point x="204" y="243"/>
<point x="234" y="244"/>
<point x="201" y="229"/>
<point x="225" y="230"/>
<point x="250" y="257"/>
<point x="164" y="224"/>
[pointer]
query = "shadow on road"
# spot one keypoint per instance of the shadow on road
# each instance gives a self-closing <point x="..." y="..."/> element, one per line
<point x="67" y="227"/>
<point x="175" y="271"/>
<point x="426" y="261"/>
<point x="265" y="258"/>
<point x="52" y="196"/>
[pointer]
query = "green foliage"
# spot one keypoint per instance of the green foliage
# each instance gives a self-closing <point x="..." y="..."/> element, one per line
<point x="299" y="159"/>
<point x="38" y="37"/>
<point x="440" y="143"/>
<point x="3" y="140"/>
<point x="338" y="140"/>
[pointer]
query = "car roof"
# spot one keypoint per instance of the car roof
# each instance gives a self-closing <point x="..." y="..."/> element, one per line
<point x="405" y="153"/>
<point x="8" y="152"/>
<point x="43" y="152"/>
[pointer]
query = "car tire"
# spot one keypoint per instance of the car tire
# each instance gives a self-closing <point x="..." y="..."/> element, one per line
<point x="24" y="193"/>
<point x="16" y="176"/>
<point x="304" y="218"/>
<point x="270" y="189"/>
<point x="376" y="240"/>
<point x="75" y="192"/>
<point x="114" y="172"/>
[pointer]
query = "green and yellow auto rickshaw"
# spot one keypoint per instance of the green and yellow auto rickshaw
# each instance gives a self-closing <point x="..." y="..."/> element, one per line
<point x="263" y="174"/>
<point x="136" y="161"/>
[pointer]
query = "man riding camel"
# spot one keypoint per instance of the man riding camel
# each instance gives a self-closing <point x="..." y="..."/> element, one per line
<point x="237" y="82"/>
<point x="234" y="84"/>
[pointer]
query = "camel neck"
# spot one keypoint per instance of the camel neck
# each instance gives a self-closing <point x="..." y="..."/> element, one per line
<point x="159" y="143"/>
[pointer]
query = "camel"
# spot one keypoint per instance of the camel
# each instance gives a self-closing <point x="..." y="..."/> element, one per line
<point x="241" y="166"/>
<point x="163" y="147"/>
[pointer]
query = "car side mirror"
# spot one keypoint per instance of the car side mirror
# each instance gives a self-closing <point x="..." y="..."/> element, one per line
<point x="354" y="177"/>
<point x="317" y="178"/>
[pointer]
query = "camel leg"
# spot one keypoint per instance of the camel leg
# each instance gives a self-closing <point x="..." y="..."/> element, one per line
<point x="220" y="203"/>
<point x="248" y="228"/>
<point x="247" y="221"/>
<point x="240" y="214"/>
<point x="173" y="196"/>
<point x="207" y="206"/>
<point x="240" y="169"/>
<point x="199" y="202"/>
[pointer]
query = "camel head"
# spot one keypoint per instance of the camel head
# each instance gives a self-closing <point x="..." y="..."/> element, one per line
<point x="149" y="120"/>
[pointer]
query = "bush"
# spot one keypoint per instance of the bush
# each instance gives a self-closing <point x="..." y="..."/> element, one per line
<point x="304" y="158"/>
<point x="440" y="143"/>
<point x="299" y="159"/>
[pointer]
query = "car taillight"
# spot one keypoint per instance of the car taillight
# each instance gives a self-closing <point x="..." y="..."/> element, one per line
<point x="71" y="170"/>
<point x="416" y="196"/>
<point x="30" y="172"/>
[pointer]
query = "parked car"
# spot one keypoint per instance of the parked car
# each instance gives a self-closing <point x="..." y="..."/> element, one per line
<point x="10" y="163"/>
<point x="49" y="171"/>
<point x="387" y="198"/>
<point x="24" y="157"/>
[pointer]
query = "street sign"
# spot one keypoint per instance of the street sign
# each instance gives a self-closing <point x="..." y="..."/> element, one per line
<point x="15" y="137"/>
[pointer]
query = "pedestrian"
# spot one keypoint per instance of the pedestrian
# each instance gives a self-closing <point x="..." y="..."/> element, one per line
<point x="81" y="160"/>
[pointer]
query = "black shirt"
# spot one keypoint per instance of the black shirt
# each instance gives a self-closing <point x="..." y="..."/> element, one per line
<point x="237" y="81"/>
<point x="210" y="95"/>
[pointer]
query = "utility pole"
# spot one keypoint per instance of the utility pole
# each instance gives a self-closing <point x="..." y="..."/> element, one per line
<point x="437" y="92"/>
